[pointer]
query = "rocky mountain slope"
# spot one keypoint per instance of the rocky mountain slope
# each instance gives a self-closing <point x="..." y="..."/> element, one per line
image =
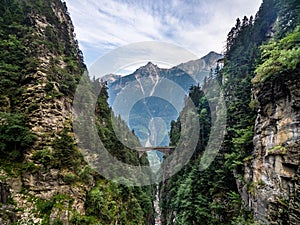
<point x="274" y="171"/>
<point x="185" y="75"/>
<point x="45" y="35"/>
<point x="274" y="194"/>
<point x="255" y="177"/>
<point x="44" y="178"/>
<point x="156" y="95"/>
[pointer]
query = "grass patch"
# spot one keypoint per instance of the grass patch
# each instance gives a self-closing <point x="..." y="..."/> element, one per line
<point x="277" y="150"/>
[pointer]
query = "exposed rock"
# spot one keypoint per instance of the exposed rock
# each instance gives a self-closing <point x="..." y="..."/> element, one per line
<point x="47" y="114"/>
<point x="274" y="173"/>
<point x="4" y="192"/>
<point x="7" y="212"/>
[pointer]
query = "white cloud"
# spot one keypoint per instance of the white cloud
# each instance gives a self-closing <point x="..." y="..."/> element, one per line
<point x="198" y="25"/>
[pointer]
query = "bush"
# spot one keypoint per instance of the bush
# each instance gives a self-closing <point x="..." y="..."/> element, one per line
<point x="70" y="178"/>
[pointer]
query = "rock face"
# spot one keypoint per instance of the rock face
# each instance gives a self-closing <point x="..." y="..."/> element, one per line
<point x="47" y="111"/>
<point x="274" y="172"/>
<point x="46" y="100"/>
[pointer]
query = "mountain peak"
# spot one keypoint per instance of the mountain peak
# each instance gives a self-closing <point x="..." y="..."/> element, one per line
<point x="212" y="53"/>
<point x="150" y="65"/>
<point x="149" y="69"/>
<point x="212" y="56"/>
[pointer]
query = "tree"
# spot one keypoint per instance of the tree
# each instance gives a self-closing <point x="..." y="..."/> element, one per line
<point x="279" y="57"/>
<point x="15" y="136"/>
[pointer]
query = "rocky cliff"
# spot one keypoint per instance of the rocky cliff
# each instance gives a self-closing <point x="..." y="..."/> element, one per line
<point x="44" y="178"/>
<point x="257" y="170"/>
<point x="46" y="88"/>
<point x="274" y="173"/>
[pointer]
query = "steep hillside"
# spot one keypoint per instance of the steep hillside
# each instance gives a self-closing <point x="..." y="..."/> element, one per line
<point x="255" y="177"/>
<point x="40" y="67"/>
<point x="274" y="170"/>
<point x="44" y="178"/>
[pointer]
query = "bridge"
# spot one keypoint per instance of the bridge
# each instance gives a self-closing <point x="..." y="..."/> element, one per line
<point x="167" y="150"/>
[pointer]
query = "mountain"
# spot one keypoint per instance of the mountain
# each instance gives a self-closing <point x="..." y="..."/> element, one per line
<point x="152" y="95"/>
<point x="110" y="78"/>
<point x="199" y="68"/>
<point x="184" y="75"/>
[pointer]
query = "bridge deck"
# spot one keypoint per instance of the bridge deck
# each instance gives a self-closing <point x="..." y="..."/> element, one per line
<point x="155" y="148"/>
<point x="163" y="149"/>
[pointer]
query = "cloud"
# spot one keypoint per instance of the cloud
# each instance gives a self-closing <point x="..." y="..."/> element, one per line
<point x="125" y="58"/>
<point x="200" y="26"/>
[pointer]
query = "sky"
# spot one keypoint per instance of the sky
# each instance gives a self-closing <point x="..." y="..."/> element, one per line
<point x="200" y="26"/>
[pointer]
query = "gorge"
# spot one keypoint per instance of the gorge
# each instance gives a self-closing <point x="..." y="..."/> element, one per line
<point x="46" y="178"/>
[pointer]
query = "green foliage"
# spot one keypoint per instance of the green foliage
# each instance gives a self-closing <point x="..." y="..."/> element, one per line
<point x="86" y="174"/>
<point x="15" y="136"/>
<point x="277" y="150"/>
<point x="17" y="168"/>
<point x="193" y="196"/>
<point x="211" y="196"/>
<point x="241" y="220"/>
<point x="106" y="122"/>
<point x="241" y="58"/>
<point x="108" y="203"/>
<point x="289" y="17"/>
<point x="279" y="57"/>
<point x="243" y="140"/>
<point x="44" y="156"/>
<point x="23" y="48"/>
<point x="44" y="206"/>
<point x="78" y="219"/>
<point x="14" y="55"/>
<point x="30" y="167"/>
<point x="65" y="150"/>
<point x="70" y="178"/>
